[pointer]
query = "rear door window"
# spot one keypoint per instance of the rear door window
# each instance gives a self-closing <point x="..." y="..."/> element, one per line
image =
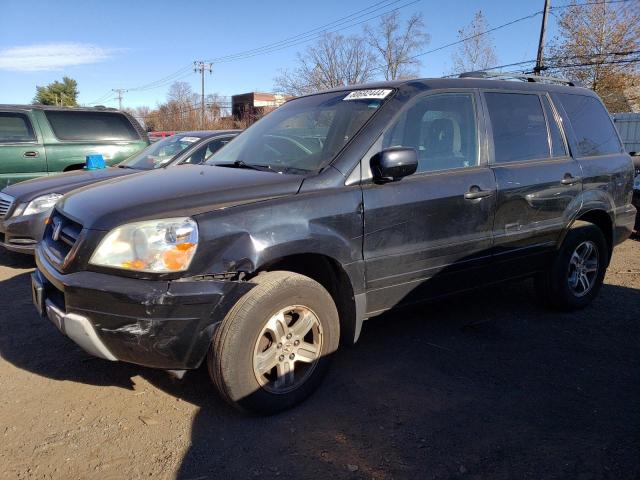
<point x="79" y="126"/>
<point x="519" y="127"/>
<point x="592" y="126"/>
<point x="15" y="128"/>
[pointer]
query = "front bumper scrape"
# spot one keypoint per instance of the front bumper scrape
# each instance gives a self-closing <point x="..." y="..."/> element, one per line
<point x="159" y="324"/>
<point x="80" y="330"/>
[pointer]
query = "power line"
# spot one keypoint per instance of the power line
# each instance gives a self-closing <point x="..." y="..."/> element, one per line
<point x="348" y="21"/>
<point x="275" y="46"/>
<point x="162" y="80"/>
<point x="104" y="98"/>
<point x="507" y="24"/>
<point x="586" y="4"/>
<point x="551" y="59"/>
<point x="345" y="23"/>
<point x="462" y="40"/>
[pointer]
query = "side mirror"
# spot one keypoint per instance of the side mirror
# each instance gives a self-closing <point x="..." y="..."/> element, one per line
<point x="394" y="163"/>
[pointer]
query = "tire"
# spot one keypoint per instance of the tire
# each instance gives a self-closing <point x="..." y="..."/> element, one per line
<point x="256" y="328"/>
<point x="560" y="285"/>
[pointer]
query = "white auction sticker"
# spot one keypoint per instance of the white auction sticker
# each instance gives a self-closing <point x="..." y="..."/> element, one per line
<point x="368" y="94"/>
<point x="189" y="139"/>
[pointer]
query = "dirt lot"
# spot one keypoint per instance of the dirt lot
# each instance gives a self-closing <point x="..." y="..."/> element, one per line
<point x="488" y="385"/>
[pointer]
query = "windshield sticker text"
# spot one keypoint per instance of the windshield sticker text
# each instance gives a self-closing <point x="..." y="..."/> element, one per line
<point x="368" y="94"/>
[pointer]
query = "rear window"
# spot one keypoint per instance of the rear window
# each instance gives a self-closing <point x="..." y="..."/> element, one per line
<point x="519" y="127"/>
<point x="15" y="127"/>
<point x="594" y="130"/>
<point x="91" y="126"/>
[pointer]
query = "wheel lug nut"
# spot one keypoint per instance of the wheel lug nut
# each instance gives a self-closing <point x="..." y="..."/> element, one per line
<point x="279" y="345"/>
<point x="292" y="356"/>
<point x="296" y="343"/>
<point x="289" y="336"/>
<point x="281" y="358"/>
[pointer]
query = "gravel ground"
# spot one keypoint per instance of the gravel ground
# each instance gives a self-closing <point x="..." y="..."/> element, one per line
<point x="485" y="385"/>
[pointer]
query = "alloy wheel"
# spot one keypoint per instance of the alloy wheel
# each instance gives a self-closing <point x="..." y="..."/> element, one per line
<point x="287" y="349"/>
<point x="583" y="268"/>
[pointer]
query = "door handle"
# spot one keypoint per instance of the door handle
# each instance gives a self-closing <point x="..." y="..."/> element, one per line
<point x="475" y="192"/>
<point x="570" y="179"/>
<point x="30" y="154"/>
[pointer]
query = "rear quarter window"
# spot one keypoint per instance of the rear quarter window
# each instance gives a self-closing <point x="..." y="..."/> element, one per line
<point x="592" y="126"/>
<point x="15" y="127"/>
<point x="81" y="126"/>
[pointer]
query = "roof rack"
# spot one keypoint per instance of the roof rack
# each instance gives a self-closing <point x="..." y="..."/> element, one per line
<point x="518" y="76"/>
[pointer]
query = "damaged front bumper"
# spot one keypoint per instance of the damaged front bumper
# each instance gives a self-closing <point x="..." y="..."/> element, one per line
<point x="160" y="324"/>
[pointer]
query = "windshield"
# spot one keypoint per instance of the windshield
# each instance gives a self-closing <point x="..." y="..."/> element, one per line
<point x="303" y="135"/>
<point x="160" y="153"/>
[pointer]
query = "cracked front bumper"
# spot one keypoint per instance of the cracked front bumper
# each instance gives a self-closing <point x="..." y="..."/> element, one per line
<point x="160" y="324"/>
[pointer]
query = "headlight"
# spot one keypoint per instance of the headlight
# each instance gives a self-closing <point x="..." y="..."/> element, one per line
<point x="159" y="246"/>
<point x="636" y="182"/>
<point x="39" y="204"/>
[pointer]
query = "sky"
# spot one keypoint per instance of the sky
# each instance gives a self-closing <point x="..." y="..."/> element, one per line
<point x="113" y="44"/>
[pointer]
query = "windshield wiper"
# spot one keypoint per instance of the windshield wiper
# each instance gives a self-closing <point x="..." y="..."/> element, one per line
<point x="249" y="166"/>
<point x="126" y="166"/>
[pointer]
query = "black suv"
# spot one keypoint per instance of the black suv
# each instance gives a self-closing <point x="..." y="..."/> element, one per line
<point x="332" y="209"/>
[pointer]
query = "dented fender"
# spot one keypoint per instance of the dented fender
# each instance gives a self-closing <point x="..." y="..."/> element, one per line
<point x="246" y="238"/>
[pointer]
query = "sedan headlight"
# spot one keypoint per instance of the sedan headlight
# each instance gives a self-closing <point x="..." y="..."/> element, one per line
<point x="636" y="181"/>
<point x="39" y="204"/>
<point x="158" y="246"/>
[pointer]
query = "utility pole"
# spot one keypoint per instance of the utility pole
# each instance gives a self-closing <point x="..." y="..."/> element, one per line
<point x="202" y="66"/>
<point x="119" y="92"/>
<point x="539" y="59"/>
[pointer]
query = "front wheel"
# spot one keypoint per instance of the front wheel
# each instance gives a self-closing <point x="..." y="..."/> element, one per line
<point x="273" y="347"/>
<point x="577" y="272"/>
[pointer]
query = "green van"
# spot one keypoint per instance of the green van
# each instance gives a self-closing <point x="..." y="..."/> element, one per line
<point x="37" y="140"/>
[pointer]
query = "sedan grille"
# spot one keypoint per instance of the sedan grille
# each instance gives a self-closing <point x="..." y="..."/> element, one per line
<point x="6" y="203"/>
<point x="60" y="237"/>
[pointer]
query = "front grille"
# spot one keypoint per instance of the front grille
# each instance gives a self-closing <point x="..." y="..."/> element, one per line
<point x="6" y="202"/>
<point x="60" y="236"/>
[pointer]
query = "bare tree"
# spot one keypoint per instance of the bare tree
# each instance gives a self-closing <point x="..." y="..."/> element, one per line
<point x="180" y="92"/>
<point x="140" y="114"/>
<point x="181" y="112"/>
<point x="478" y="52"/>
<point x="334" y="61"/>
<point x="397" y="45"/>
<point x="594" y="45"/>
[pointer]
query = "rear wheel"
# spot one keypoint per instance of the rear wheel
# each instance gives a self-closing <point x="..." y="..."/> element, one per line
<point x="273" y="347"/>
<point x="577" y="272"/>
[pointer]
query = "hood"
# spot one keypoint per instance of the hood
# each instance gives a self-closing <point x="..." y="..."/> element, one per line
<point x="63" y="183"/>
<point x="185" y="190"/>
